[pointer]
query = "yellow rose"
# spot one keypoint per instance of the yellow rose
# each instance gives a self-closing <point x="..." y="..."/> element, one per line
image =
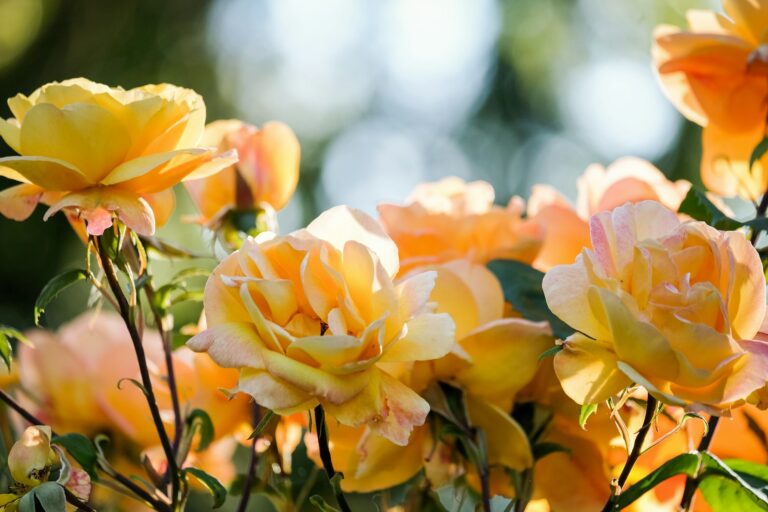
<point x="715" y="74"/>
<point x="566" y="229"/>
<point x="309" y="317"/>
<point x="668" y="305"/>
<point x="451" y="219"/>
<point x="97" y="151"/>
<point x="268" y="170"/>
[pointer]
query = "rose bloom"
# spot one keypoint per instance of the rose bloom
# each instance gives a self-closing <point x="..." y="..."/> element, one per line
<point x="472" y="295"/>
<point x="309" y="317"/>
<point x="267" y="171"/>
<point x="451" y="219"/>
<point x="70" y="379"/>
<point x="716" y="74"/>
<point x="668" y="305"/>
<point x="566" y="228"/>
<point x="97" y="151"/>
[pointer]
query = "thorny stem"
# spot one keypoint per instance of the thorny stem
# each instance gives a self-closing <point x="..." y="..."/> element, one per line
<point x="637" y="448"/>
<point x="692" y="483"/>
<point x="128" y="319"/>
<point x="325" y="456"/>
<point x="246" y="496"/>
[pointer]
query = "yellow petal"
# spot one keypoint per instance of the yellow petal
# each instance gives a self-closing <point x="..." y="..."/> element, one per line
<point x="518" y="343"/>
<point x="746" y="297"/>
<point x="231" y="345"/>
<point x="10" y="131"/>
<point x="274" y="393"/>
<point x="587" y="371"/>
<point x="342" y="223"/>
<point x="48" y="173"/>
<point x="506" y="441"/>
<point x="142" y="165"/>
<point x="86" y="136"/>
<point x="428" y="336"/>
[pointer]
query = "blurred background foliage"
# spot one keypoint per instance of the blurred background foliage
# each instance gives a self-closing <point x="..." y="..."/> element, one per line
<point x="382" y="94"/>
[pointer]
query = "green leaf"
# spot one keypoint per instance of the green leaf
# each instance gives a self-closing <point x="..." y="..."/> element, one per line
<point x="758" y="152"/>
<point x="550" y="352"/>
<point x="181" y="276"/>
<point x="522" y="288"/>
<point x="541" y="450"/>
<point x="218" y="491"/>
<point x="698" y="206"/>
<point x="754" y="474"/>
<point x="586" y="411"/>
<point x="54" y="287"/>
<point x="6" y="349"/>
<point x="685" y="464"/>
<point x="199" y="419"/>
<point x="725" y="489"/>
<point x="48" y="496"/>
<point x="82" y="450"/>
<point x="322" y="505"/>
<point x="263" y="423"/>
<point x="162" y="248"/>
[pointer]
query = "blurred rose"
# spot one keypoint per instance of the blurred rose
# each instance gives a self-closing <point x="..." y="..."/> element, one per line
<point x="451" y="219"/>
<point x="716" y="74"/>
<point x="97" y="151"/>
<point x="70" y="378"/>
<point x="266" y="174"/>
<point x="566" y="229"/>
<point x="671" y="306"/>
<point x="309" y="317"/>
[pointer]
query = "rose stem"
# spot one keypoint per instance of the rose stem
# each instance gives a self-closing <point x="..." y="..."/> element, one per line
<point x="637" y="447"/>
<point x="127" y="315"/>
<point x="325" y="456"/>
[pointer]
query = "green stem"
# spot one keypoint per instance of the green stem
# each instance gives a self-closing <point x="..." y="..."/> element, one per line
<point x="249" y="477"/>
<point x="637" y="448"/>
<point x="691" y="484"/>
<point x="128" y="318"/>
<point x="325" y="456"/>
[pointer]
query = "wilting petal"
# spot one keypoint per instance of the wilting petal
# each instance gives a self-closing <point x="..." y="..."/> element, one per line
<point x="587" y="371"/>
<point x="134" y="211"/>
<point x="388" y="407"/>
<point x="18" y="202"/>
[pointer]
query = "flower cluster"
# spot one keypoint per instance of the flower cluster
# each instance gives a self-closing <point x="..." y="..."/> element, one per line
<point x="541" y="355"/>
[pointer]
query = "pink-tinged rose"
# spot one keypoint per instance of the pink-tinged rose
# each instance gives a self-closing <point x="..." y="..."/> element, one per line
<point x="100" y="152"/>
<point x="566" y="228"/>
<point x="451" y="219"/>
<point x="671" y="306"/>
<point x="265" y="176"/>
<point x="71" y="379"/>
<point x="310" y="317"/>
<point x="716" y="75"/>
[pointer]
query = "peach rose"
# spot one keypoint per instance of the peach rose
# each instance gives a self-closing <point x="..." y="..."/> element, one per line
<point x="97" y="152"/>
<point x="308" y="318"/>
<point x="71" y="380"/>
<point x="566" y="229"/>
<point x="716" y="74"/>
<point x="668" y="305"/>
<point x="265" y="176"/>
<point x="451" y="219"/>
